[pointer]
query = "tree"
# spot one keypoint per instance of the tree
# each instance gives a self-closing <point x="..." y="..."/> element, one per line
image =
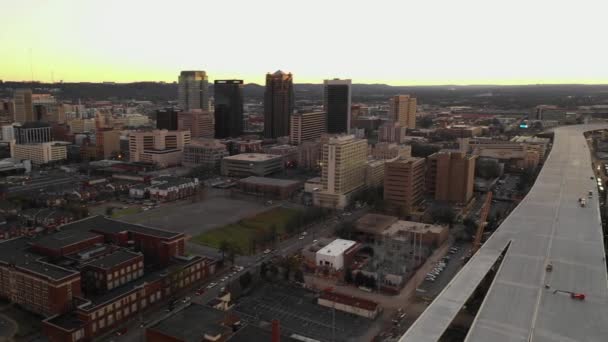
<point x="245" y="280"/>
<point x="233" y="251"/>
<point x="299" y="276"/>
<point x="224" y="247"/>
<point x="423" y="150"/>
<point x="109" y="211"/>
<point x="487" y="168"/>
<point x="346" y="230"/>
<point x="426" y="122"/>
<point x="348" y="276"/>
<point x="470" y="226"/>
<point x="443" y="214"/>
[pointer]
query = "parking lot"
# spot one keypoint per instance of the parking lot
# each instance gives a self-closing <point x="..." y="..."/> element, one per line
<point x="431" y="288"/>
<point x="217" y="209"/>
<point x="300" y="314"/>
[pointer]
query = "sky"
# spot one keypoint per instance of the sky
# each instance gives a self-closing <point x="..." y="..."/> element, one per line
<point x="400" y="42"/>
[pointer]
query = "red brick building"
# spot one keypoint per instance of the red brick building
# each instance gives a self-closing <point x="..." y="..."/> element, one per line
<point x="85" y="280"/>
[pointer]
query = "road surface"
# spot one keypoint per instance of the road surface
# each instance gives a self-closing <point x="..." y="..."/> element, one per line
<point x="548" y="226"/>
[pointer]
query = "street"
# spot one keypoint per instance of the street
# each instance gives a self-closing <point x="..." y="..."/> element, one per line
<point x="249" y="263"/>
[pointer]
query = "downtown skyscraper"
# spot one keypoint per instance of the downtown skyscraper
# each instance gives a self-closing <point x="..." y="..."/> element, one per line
<point x="278" y="104"/>
<point x="192" y="91"/>
<point x="228" y="96"/>
<point x="24" y="109"/>
<point x="337" y="105"/>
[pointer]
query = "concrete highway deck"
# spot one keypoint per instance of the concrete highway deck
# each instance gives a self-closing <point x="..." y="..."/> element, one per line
<point x="549" y="225"/>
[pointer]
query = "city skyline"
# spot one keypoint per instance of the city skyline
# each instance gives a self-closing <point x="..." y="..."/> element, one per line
<point x="397" y="43"/>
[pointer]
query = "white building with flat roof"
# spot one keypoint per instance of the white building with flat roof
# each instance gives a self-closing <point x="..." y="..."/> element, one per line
<point x="332" y="255"/>
<point x="251" y="164"/>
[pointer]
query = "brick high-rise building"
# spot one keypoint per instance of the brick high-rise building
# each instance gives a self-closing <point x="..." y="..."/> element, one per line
<point x="199" y="123"/>
<point x="306" y="126"/>
<point x="107" y="142"/>
<point x="404" y="184"/>
<point x="450" y="176"/>
<point x="342" y="170"/>
<point x="402" y="109"/>
<point x="192" y="90"/>
<point x="24" y="109"/>
<point x="228" y="107"/>
<point x="337" y="105"/>
<point x="278" y="104"/>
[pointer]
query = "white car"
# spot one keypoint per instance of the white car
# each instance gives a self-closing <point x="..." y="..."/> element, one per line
<point x="211" y="285"/>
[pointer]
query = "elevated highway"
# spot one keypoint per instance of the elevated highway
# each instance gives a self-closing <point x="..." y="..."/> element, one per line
<point x="548" y="226"/>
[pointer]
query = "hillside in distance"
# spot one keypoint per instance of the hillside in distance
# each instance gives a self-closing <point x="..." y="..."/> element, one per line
<point x="520" y="96"/>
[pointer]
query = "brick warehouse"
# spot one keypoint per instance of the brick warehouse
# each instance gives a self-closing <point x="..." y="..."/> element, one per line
<point x="92" y="274"/>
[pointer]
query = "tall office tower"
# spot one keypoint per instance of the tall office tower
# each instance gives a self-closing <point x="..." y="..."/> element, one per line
<point x="198" y="122"/>
<point x="24" y="109"/>
<point x="337" y="105"/>
<point x="228" y="107"/>
<point x="450" y="176"/>
<point x="278" y="104"/>
<point x="342" y="170"/>
<point x="402" y="109"/>
<point x="192" y="91"/>
<point x="404" y="184"/>
<point x="167" y="119"/>
<point x="306" y="126"/>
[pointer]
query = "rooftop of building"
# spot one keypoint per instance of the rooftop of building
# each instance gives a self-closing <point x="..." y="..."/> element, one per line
<point x="192" y="323"/>
<point x="349" y="300"/>
<point x="105" y="225"/>
<point x="337" y="247"/>
<point x="69" y="321"/>
<point x="530" y="139"/>
<point x="400" y="227"/>
<point x="269" y="181"/>
<point x="208" y="143"/>
<point x="17" y="252"/>
<point x="254" y="333"/>
<point x="64" y="239"/>
<point x="253" y="157"/>
<point x="374" y="223"/>
<point x="113" y="259"/>
<point x="35" y="124"/>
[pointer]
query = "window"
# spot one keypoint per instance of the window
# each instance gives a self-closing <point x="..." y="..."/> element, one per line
<point x="110" y="319"/>
<point x="94" y="327"/>
<point x="102" y="323"/>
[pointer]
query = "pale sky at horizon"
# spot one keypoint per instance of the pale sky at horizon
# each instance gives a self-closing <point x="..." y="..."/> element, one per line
<point x="395" y="42"/>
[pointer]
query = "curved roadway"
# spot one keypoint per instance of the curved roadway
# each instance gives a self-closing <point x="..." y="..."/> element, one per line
<point x="549" y="225"/>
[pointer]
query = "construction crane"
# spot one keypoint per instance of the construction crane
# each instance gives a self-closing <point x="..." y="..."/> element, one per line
<point x="483" y="216"/>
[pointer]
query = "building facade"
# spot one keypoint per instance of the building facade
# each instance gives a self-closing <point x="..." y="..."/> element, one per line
<point x="251" y="164"/>
<point x="160" y="147"/>
<point x="166" y="119"/>
<point x="204" y="152"/>
<point x="337" y="105"/>
<point x="278" y="104"/>
<point x="228" y="107"/>
<point x="450" y="176"/>
<point x="198" y="122"/>
<point x="342" y="170"/>
<point x="306" y="127"/>
<point x="24" y="109"/>
<point x="40" y="154"/>
<point x="193" y="90"/>
<point x="402" y="109"/>
<point x="404" y="184"/>
<point x="33" y="132"/>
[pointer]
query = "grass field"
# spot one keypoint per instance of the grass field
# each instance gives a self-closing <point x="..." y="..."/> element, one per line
<point x="122" y="212"/>
<point x="28" y="323"/>
<point x="241" y="233"/>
